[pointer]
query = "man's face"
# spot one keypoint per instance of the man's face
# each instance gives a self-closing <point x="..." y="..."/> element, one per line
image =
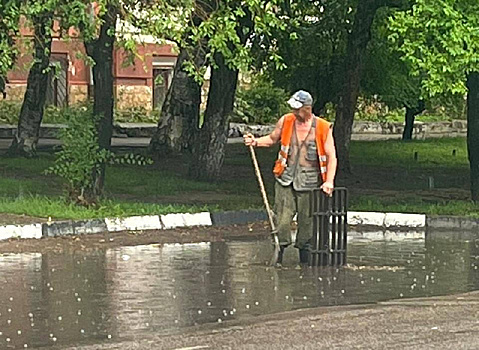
<point x="304" y="113"/>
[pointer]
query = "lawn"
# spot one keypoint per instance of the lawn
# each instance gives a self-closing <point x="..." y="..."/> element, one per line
<point x="387" y="176"/>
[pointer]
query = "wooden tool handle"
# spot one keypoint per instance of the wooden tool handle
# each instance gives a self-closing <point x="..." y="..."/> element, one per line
<point x="261" y="186"/>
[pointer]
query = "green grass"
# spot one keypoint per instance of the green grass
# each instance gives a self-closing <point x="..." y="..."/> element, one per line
<point x="374" y="203"/>
<point x="430" y="153"/>
<point x="386" y="178"/>
<point x="44" y="207"/>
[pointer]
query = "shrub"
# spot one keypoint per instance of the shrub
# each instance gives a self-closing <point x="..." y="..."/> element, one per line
<point x="261" y="103"/>
<point x="137" y="115"/>
<point x="80" y="160"/>
<point x="9" y="112"/>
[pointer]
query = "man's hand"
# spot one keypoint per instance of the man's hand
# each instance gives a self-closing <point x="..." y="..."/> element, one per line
<point x="327" y="188"/>
<point x="249" y="140"/>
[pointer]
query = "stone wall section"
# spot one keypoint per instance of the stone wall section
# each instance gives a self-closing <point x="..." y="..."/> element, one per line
<point x="77" y="94"/>
<point x="131" y="96"/>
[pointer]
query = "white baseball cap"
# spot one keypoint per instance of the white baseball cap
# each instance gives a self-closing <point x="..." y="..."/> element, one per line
<point x="299" y="99"/>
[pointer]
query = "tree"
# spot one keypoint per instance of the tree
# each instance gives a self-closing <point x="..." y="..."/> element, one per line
<point x="40" y="15"/>
<point x="356" y="46"/>
<point x="312" y="48"/>
<point x="440" y="40"/>
<point x="386" y="75"/>
<point x="226" y="30"/>
<point x="181" y="110"/>
<point x="100" y="47"/>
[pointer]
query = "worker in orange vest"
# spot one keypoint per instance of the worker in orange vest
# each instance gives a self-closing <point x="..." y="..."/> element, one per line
<point x="306" y="161"/>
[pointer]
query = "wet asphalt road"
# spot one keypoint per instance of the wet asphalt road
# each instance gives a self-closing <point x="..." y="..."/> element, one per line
<point x="450" y="322"/>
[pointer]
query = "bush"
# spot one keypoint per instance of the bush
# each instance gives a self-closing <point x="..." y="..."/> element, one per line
<point x="137" y="115"/>
<point x="261" y="103"/>
<point x="80" y="160"/>
<point x="9" y="112"/>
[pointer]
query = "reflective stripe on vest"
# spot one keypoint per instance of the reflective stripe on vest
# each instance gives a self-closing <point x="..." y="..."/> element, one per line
<point x="322" y="130"/>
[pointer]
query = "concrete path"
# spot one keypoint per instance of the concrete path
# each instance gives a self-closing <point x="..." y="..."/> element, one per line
<point x="141" y="142"/>
<point x="135" y="142"/>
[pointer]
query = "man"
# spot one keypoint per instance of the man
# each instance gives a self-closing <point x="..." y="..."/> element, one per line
<point x="306" y="161"/>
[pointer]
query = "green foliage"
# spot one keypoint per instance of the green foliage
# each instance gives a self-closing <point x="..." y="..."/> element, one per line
<point x="312" y="48"/>
<point x="229" y="28"/>
<point x="9" y="20"/>
<point x="439" y="39"/>
<point x="81" y="160"/>
<point x="80" y="156"/>
<point x="136" y="115"/>
<point x="260" y="103"/>
<point x="9" y="112"/>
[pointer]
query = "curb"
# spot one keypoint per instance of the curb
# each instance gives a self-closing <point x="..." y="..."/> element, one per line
<point x="378" y="225"/>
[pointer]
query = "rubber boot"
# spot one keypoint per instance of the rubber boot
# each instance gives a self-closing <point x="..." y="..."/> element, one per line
<point x="279" y="262"/>
<point x="303" y="256"/>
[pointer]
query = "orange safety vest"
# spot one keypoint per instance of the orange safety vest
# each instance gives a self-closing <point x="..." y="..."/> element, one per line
<point x="322" y="130"/>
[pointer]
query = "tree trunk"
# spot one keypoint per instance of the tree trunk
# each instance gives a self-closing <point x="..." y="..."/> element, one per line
<point x="181" y="110"/>
<point x="101" y="50"/>
<point x="210" y="141"/>
<point x="31" y="114"/>
<point x="357" y="43"/>
<point x="411" y="113"/>
<point x="473" y="131"/>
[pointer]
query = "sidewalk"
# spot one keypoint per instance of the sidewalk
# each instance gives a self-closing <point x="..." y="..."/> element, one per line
<point x="449" y="322"/>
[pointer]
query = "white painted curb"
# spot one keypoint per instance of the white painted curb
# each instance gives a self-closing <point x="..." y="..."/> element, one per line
<point x="134" y="223"/>
<point x="383" y="222"/>
<point x="186" y="220"/>
<point x="404" y="220"/>
<point x="20" y="231"/>
<point x="386" y="219"/>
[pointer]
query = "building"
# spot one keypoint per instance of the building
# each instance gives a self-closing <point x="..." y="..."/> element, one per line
<point x="135" y="85"/>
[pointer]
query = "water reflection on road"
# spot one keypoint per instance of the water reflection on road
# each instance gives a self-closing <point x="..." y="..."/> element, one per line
<point x="99" y="296"/>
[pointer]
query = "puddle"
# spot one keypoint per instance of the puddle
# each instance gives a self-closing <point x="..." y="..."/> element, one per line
<point x="100" y="296"/>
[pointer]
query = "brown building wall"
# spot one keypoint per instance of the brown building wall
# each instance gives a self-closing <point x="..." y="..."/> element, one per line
<point x="133" y="83"/>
